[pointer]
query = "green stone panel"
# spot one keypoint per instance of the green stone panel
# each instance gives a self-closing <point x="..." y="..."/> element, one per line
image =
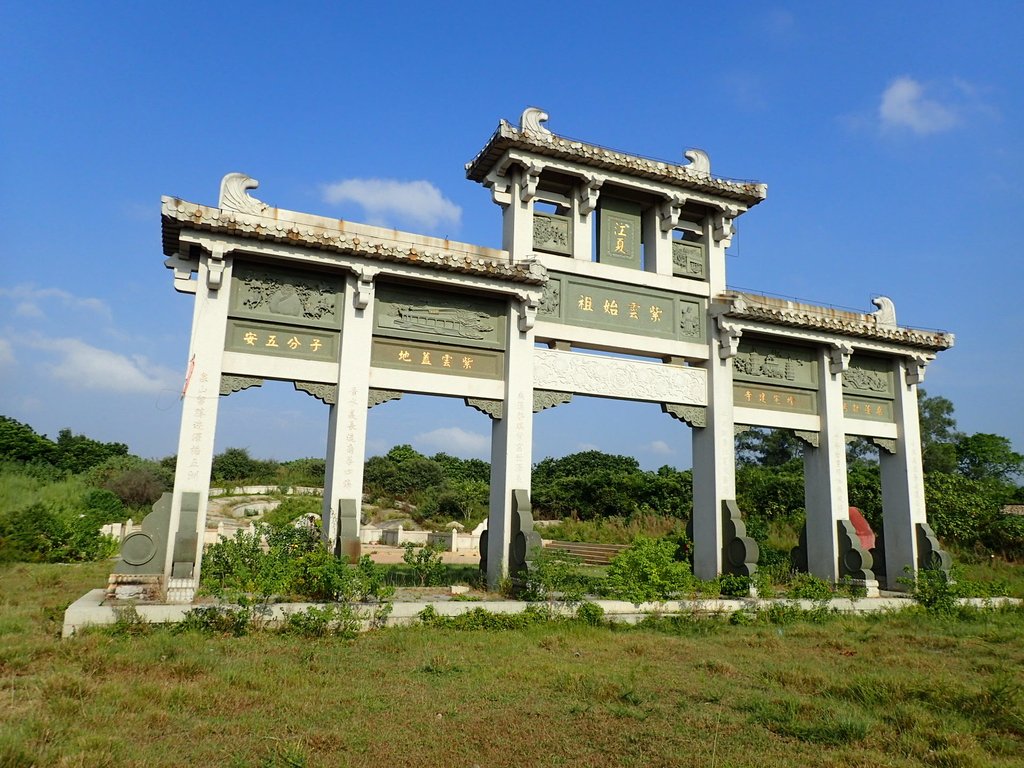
<point x="426" y="315"/>
<point x="437" y="358"/>
<point x="868" y="408"/>
<point x="552" y="233"/>
<point x="282" y="341"/>
<point x="308" y="299"/>
<point x="775" y="398"/>
<point x="689" y="260"/>
<point x="616" y="307"/>
<point x="770" y="363"/>
<point x="869" y="377"/>
<point x="619" y="239"/>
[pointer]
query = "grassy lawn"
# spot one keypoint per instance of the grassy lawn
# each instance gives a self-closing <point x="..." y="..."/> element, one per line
<point x="898" y="690"/>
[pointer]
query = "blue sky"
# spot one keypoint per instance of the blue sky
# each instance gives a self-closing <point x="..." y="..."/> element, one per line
<point x="889" y="136"/>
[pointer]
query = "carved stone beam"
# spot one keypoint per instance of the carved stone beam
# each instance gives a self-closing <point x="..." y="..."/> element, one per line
<point x="530" y="179"/>
<point x="916" y="366"/>
<point x="493" y="408"/>
<point x="588" y="193"/>
<point x="839" y="356"/>
<point x="670" y="211"/>
<point x="724" y="228"/>
<point x="363" y="294"/>
<point x="215" y="269"/>
<point x="234" y="195"/>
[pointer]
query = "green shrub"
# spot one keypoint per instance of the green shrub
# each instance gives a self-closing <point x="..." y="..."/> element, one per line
<point x="731" y="585"/>
<point x="590" y="613"/>
<point x="426" y="563"/>
<point x="806" y="586"/>
<point x="554" y="575"/>
<point x="648" y="571"/>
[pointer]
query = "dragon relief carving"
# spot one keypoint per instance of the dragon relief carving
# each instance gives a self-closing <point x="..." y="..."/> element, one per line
<point x="441" y="320"/>
<point x="292" y="297"/>
<point x="864" y="379"/>
<point x="770" y="365"/>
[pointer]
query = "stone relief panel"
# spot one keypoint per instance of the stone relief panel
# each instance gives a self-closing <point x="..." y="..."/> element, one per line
<point x="776" y="363"/>
<point x="869" y="377"/>
<point x="550" y="300"/>
<point x="435" y="315"/>
<point x="551" y="233"/>
<point x="294" y="297"/>
<point x="688" y="260"/>
<point x="624" y="379"/>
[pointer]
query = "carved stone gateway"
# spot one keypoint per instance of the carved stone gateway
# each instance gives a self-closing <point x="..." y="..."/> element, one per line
<point x="610" y="283"/>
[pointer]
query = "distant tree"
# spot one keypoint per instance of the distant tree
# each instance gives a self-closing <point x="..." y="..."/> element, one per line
<point x="403" y="452"/>
<point x="233" y="464"/>
<point x="583" y="464"/>
<point x="20" y="443"/>
<point x="767" y="447"/>
<point x="77" y="453"/>
<point x="984" y="456"/>
<point x="938" y="433"/>
<point x="456" y="469"/>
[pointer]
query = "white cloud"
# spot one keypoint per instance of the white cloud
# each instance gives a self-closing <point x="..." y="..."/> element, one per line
<point x="384" y="200"/>
<point x="90" y="367"/>
<point x="660" y="447"/>
<point x="455" y="440"/>
<point x="906" y="106"/>
<point x="28" y="299"/>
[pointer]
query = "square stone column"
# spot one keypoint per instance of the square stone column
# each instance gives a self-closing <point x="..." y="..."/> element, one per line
<point x="346" y="433"/>
<point x="825" y="488"/>
<point x="511" y="442"/>
<point x="903" y="503"/>
<point x="200" y="400"/>
<point x="657" y="240"/>
<point x="584" y="202"/>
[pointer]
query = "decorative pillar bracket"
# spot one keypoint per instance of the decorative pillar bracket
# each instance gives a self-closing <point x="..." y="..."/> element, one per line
<point x="378" y="396"/>
<point x="724" y="228"/>
<point x="839" y="357"/>
<point x="215" y="269"/>
<point x="916" y="366"/>
<point x="183" y="269"/>
<point x="548" y="398"/>
<point x="729" y="338"/>
<point x="493" y="408"/>
<point x="813" y="439"/>
<point x="230" y="383"/>
<point x="694" y="415"/>
<point x="325" y="393"/>
<point x="527" y="309"/>
<point x="500" y="186"/>
<point x="588" y="193"/>
<point x="670" y="211"/>
<point x="530" y="179"/>
<point x="363" y="294"/>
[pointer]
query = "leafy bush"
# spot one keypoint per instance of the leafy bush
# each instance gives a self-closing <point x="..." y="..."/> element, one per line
<point x="806" y="586"/>
<point x="426" y="563"/>
<point x="648" y="571"/>
<point x="292" y="508"/>
<point x="731" y="585"/>
<point x="554" y="575"/>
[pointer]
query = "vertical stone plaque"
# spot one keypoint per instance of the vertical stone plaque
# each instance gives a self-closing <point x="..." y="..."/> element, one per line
<point x="619" y="241"/>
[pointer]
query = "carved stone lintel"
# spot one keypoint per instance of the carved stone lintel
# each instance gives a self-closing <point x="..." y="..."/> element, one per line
<point x="588" y="193"/>
<point x="234" y="195"/>
<point x="694" y="415"/>
<point x="886" y="444"/>
<point x="839" y="356"/>
<point x="812" y="439"/>
<point x="493" y="408"/>
<point x="530" y="122"/>
<point x="548" y="398"/>
<point x="916" y="366"/>
<point x="325" y="393"/>
<point x="529" y="181"/>
<point x="700" y="163"/>
<point x="378" y="396"/>
<point x="230" y="383"/>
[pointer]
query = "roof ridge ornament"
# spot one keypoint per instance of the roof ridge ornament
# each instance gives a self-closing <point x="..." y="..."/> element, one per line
<point x="700" y="163"/>
<point x="530" y="122"/>
<point x="234" y="197"/>
<point x="885" y="317"/>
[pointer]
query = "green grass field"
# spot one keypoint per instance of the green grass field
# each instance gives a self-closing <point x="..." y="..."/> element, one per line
<point x="897" y="690"/>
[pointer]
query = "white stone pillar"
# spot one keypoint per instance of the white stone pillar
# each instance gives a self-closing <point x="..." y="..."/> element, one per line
<point x="517" y="217"/>
<point x="714" y="448"/>
<point x="903" y="504"/>
<point x="346" y="433"/>
<point x="825" y="494"/>
<point x="511" y="443"/>
<point x="657" y="240"/>
<point x="201" y="397"/>
<point x="584" y="202"/>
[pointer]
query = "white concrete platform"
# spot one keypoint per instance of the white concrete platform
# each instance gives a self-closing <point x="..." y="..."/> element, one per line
<point x="90" y="610"/>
